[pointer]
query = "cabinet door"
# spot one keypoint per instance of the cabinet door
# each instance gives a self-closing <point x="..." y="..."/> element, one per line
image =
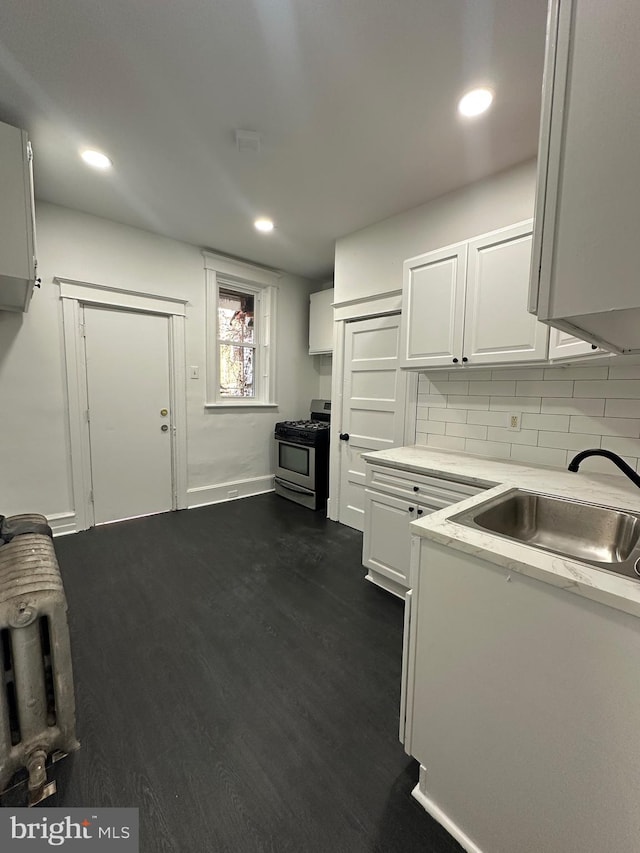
<point x="498" y="327"/>
<point x="386" y="547"/>
<point x="17" y="233"/>
<point x="564" y="345"/>
<point x="321" y="322"/>
<point x="589" y="183"/>
<point x="433" y="308"/>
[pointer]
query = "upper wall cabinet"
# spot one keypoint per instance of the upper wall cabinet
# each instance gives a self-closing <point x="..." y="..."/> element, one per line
<point x="321" y="322"/>
<point x="585" y="267"/>
<point x="17" y="221"/>
<point x="467" y="304"/>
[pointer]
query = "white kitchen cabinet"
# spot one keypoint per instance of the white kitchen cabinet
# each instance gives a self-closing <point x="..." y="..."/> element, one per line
<point x="497" y="326"/>
<point x="585" y="266"/>
<point x="393" y="499"/>
<point x="321" y="322"/>
<point x="433" y="308"/>
<point x="504" y="704"/>
<point x="17" y="225"/>
<point x="467" y="304"/>
<point x="562" y="345"/>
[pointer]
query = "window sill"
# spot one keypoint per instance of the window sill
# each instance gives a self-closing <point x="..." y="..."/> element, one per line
<point x="241" y="405"/>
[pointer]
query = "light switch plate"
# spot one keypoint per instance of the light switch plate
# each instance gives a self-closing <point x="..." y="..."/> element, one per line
<point x="195" y="371"/>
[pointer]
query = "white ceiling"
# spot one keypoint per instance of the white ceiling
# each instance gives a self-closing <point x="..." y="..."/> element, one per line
<point x="355" y="101"/>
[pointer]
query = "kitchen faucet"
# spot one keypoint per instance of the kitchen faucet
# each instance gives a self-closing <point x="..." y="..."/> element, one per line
<point x="622" y="465"/>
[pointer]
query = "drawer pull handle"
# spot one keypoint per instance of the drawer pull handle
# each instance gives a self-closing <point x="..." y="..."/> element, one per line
<point x="416" y="488"/>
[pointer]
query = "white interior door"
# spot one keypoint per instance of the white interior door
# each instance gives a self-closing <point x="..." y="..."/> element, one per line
<point x="372" y="405"/>
<point x="128" y="389"/>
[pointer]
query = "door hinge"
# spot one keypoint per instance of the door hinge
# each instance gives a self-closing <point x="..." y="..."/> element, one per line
<point x="88" y="417"/>
<point x="91" y="496"/>
<point x="83" y="333"/>
<point x="29" y="152"/>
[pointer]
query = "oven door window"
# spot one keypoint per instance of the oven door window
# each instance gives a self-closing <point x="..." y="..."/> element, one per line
<point x="294" y="458"/>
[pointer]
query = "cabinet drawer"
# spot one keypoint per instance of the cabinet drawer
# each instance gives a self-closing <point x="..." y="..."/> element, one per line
<point x="436" y="492"/>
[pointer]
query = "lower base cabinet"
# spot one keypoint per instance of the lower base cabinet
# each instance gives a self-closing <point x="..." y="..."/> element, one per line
<point x="520" y="700"/>
<point x="393" y="499"/>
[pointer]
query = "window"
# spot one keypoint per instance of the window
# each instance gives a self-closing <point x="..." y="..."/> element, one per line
<point x="237" y="343"/>
<point x="240" y="334"/>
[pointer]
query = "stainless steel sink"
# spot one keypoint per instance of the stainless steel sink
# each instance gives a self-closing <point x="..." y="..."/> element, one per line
<point x="601" y="536"/>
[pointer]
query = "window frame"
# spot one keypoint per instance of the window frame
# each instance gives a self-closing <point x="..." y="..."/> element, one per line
<point x="228" y="274"/>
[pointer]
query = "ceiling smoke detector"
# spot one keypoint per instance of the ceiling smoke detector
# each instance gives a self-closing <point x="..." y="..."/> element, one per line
<point x="248" y="141"/>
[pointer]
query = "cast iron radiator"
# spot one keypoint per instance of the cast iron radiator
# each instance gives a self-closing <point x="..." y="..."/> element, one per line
<point x="37" y="706"/>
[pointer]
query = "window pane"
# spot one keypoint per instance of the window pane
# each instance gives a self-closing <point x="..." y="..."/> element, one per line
<point x="236" y="371"/>
<point x="235" y="316"/>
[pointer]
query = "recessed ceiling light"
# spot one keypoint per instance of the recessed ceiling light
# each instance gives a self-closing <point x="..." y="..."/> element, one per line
<point x="96" y="159"/>
<point x="475" y="102"/>
<point x="264" y="225"/>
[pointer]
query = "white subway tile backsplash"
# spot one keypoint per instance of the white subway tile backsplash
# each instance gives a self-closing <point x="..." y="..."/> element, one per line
<point x="564" y="410"/>
<point x="568" y="440"/>
<point x="539" y="455"/>
<point x="557" y="423"/>
<point x="622" y="389"/>
<point x="515" y="404"/>
<point x="524" y="436"/>
<point x="488" y="448"/>
<point x="574" y="371"/>
<point x="467" y="430"/>
<point x="435" y="427"/>
<point x="571" y="406"/>
<point x="496" y="419"/>
<point x="622" y="408"/>
<point x="512" y="373"/>
<point x="446" y="442"/>
<point x="628" y="371"/>
<point x="629" y="427"/>
<point x="444" y="387"/>
<point x="432" y="400"/>
<point x="493" y="389"/>
<point x="455" y="401"/>
<point x="545" y="388"/>
<point x="455" y="415"/>
<point x="475" y="374"/>
<point x="622" y="446"/>
<point x="600" y="465"/>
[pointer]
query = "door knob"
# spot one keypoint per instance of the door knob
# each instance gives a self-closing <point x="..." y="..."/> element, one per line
<point x="164" y="427"/>
<point x="164" y="412"/>
<point x="410" y="508"/>
<point x="344" y="436"/>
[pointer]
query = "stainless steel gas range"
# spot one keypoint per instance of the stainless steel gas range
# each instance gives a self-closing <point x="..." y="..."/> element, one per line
<point x="302" y="457"/>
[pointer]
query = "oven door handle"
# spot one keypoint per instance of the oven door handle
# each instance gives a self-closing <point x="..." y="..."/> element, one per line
<point x="293" y="488"/>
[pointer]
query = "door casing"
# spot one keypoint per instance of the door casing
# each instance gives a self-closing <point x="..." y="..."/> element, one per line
<point x="382" y="305"/>
<point x="73" y="295"/>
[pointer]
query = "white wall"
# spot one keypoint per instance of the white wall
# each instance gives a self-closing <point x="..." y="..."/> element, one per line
<point x="564" y="410"/>
<point x="222" y="446"/>
<point x="369" y="262"/>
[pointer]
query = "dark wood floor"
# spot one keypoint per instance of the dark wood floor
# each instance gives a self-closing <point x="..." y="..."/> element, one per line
<point x="238" y="681"/>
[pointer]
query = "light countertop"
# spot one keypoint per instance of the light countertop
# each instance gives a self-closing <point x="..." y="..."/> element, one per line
<point x="500" y="476"/>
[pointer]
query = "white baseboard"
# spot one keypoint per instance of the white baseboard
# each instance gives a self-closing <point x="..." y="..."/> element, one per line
<point x="443" y="819"/>
<point x="387" y="584"/>
<point x="205" y="495"/>
<point x="62" y="523"/>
